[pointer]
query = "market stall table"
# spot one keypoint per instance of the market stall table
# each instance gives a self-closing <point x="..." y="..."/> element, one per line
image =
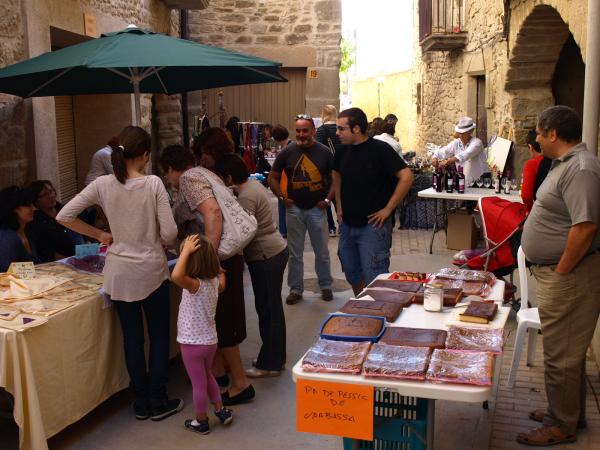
<point x="416" y="317"/>
<point x="471" y="194"/>
<point x="61" y="370"/>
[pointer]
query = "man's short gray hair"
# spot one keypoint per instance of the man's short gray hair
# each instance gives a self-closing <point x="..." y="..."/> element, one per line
<point x="562" y="119"/>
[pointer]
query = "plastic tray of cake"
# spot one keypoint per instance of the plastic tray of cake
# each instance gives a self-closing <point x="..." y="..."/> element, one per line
<point x="475" y="339"/>
<point x="335" y="356"/>
<point x="459" y="366"/>
<point x="392" y="361"/>
<point x="353" y="328"/>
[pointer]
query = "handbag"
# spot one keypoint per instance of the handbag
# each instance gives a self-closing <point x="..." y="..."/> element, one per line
<point x="239" y="227"/>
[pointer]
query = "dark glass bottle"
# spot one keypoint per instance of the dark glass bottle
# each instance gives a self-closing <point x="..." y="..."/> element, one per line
<point x="460" y="184"/>
<point x="449" y="180"/>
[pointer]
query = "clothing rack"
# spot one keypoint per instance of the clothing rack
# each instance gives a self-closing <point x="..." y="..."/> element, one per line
<point x="250" y="148"/>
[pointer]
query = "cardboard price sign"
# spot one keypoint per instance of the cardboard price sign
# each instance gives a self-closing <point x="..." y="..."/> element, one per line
<point x="335" y="408"/>
<point x="23" y="270"/>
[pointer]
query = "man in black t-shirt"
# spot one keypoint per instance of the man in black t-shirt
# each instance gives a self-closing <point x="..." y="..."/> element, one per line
<point x="308" y="192"/>
<point x="370" y="181"/>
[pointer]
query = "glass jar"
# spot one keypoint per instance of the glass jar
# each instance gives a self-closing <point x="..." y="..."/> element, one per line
<point x="433" y="297"/>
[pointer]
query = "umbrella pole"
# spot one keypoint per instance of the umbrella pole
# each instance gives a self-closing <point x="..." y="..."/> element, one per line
<point x="136" y="99"/>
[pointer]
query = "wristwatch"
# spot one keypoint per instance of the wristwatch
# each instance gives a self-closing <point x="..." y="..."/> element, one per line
<point x="327" y="201"/>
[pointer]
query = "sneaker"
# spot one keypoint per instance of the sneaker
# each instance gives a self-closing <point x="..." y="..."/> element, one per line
<point x="198" y="427"/>
<point x="166" y="409"/>
<point x="293" y="298"/>
<point x="332" y="233"/>
<point x="225" y="415"/>
<point x="141" y="410"/>
<point x="327" y="295"/>
<point x="255" y="372"/>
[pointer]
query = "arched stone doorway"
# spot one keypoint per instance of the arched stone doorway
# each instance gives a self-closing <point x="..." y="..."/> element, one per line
<point x="545" y="68"/>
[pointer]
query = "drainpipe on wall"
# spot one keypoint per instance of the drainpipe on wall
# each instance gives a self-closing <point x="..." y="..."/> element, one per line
<point x="591" y="98"/>
<point x="184" y="33"/>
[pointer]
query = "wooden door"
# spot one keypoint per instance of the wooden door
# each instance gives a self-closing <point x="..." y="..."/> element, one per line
<point x="67" y="155"/>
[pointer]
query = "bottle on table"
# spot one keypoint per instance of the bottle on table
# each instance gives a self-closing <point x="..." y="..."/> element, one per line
<point x="497" y="182"/>
<point x="434" y="177"/>
<point x="449" y="181"/>
<point x="460" y="184"/>
<point x="507" y="183"/>
<point x="439" y="179"/>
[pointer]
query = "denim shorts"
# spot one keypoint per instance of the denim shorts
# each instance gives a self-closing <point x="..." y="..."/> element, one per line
<point x="365" y="251"/>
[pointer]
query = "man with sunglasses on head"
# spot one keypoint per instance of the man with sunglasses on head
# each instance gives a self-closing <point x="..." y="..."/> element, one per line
<point x="370" y="180"/>
<point x="307" y="166"/>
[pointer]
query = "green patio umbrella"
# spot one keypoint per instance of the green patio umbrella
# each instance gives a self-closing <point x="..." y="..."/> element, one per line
<point x="135" y="61"/>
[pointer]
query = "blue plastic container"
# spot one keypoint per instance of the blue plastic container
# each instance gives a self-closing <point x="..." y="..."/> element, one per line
<point x="353" y="338"/>
<point x="400" y="423"/>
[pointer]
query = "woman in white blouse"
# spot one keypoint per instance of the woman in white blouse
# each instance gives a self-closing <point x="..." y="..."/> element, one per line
<point x="466" y="151"/>
<point x="136" y="275"/>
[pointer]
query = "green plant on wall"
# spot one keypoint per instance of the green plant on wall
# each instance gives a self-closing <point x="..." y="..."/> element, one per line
<point x="348" y="56"/>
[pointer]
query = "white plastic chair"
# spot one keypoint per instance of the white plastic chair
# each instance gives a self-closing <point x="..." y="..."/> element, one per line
<point x="527" y="318"/>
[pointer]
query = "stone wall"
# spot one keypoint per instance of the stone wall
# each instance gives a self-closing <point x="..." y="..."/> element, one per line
<point x="13" y="154"/>
<point x="297" y="34"/>
<point x="446" y="77"/>
<point x="27" y="136"/>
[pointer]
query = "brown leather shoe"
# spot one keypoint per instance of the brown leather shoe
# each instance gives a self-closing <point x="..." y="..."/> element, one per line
<point x="293" y="298"/>
<point x="545" y="436"/>
<point x="538" y="416"/>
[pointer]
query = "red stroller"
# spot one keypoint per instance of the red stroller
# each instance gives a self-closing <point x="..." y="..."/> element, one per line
<point x="502" y="225"/>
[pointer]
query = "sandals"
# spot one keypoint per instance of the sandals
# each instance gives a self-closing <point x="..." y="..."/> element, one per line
<point x="538" y="416"/>
<point x="545" y="436"/>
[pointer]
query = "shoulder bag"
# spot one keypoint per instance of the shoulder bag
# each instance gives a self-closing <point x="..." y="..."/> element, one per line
<point x="239" y="227"/>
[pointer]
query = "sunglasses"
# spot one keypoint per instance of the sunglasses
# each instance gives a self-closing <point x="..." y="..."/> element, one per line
<point x="303" y="117"/>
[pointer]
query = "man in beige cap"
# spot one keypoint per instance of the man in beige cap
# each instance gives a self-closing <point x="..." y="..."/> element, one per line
<point x="466" y="151"/>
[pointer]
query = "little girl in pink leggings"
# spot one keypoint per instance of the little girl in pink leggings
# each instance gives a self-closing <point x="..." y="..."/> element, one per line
<point x="199" y="274"/>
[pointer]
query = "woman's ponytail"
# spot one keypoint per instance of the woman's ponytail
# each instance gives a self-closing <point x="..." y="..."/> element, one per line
<point x="131" y="143"/>
<point x="117" y="158"/>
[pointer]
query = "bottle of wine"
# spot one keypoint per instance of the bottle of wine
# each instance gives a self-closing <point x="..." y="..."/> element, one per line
<point x="507" y="183"/>
<point x="439" y="179"/>
<point x="449" y="180"/>
<point x="435" y="177"/>
<point x="461" y="181"/>
<point x="497" y="182"/>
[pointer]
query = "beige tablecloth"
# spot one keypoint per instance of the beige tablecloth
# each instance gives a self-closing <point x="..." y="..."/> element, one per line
<point x="61" y="370"/>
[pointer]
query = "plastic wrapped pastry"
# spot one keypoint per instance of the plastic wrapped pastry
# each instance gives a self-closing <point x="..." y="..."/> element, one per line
<point x="391" y="361"/>
<point x="414" y="337"/>
<point x="403" y="286"/>
<point x="388" y="295"/>
<point x="475" y="339"/>
<point x="459" y="366"/>
<point x="8" y="313"/>
<point x="90" y="263"/>
<point x="389" y="310"/>
<point x="468" y="287"/>
<point x="335" y="356"/>
<point x="454" y="273"/>
<point x="41" y="306"/>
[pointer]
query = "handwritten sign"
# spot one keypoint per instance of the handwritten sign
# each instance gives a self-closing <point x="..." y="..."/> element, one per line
<point x="23" y="270"/>
<point x="82" y="250"/>
<point x="334" y="408"/>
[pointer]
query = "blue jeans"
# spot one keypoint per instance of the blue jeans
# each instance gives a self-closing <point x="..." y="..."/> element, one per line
<point x="365" y="251"/>
<point x="299" y="221"/>
<point x="281" y="213"/>
<point x="147" y="385"/>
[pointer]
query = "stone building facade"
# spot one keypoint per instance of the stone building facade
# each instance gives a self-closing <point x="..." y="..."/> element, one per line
<point x="299" y="34"/>
<point x="303" y="35"/>
<point x="28" y="127"/>
<point x="519" y="57"/>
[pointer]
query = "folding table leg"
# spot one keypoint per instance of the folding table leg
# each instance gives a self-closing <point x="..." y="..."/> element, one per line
<point x="430" y="422"/>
